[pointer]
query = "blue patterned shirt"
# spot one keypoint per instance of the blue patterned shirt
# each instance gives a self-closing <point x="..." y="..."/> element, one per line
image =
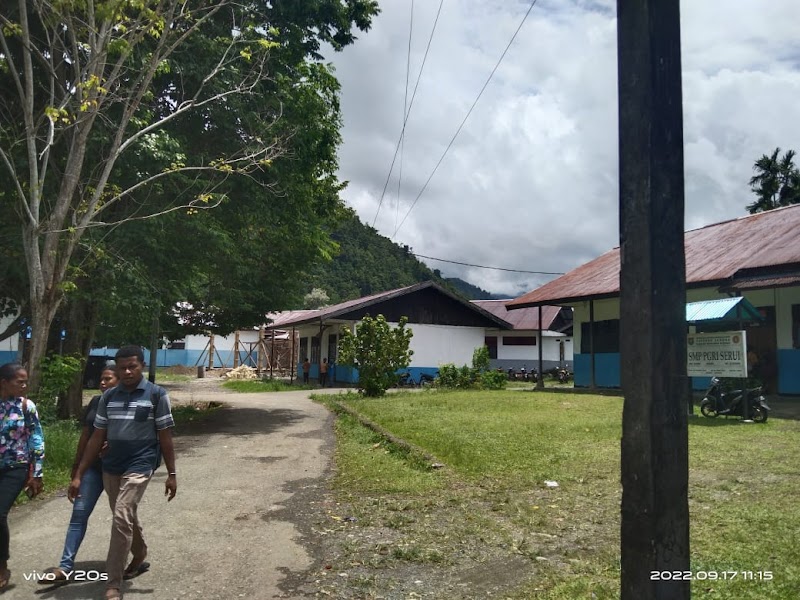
<point x="21" y="442"/>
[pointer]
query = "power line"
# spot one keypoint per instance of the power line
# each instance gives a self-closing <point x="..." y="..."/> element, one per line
<point x="469" y="112"/>
<point x="455" y="262"/>
<point x="405" y="111"/>
<point x="405" y="120"/>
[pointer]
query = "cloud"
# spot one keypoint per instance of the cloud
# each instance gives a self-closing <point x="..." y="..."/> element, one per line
<point x="531" y="181"/>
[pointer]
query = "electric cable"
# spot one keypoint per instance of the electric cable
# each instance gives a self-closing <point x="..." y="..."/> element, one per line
<point x="405" y="110"/>
<point x="410" y="105"/>
<point x="455" y="262"/>
<point x="469" y="112"/>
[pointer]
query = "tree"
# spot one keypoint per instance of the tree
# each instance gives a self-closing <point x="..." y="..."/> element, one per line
<point x="316" y="298"/>
<point x="99" y="100"/>
<point x="378" y="351"/>
<point x="776" y="182"/>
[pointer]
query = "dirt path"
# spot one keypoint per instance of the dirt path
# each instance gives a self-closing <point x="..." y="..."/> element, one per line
<point x="248" y="484"/>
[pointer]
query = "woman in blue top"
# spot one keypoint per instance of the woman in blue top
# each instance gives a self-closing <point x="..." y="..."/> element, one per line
<point x="21" y="451"/>
<point x="91" y="486"/>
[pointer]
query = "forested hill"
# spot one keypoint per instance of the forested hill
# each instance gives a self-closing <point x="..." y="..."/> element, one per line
<point x="473" y="292"/>
<point x="369" y="263"/>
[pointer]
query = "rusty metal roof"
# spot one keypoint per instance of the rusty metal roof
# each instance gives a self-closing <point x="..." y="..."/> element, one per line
<point x="526" y="318"/>
<point x="714" y="254"/>
<point x="340" y="311"/>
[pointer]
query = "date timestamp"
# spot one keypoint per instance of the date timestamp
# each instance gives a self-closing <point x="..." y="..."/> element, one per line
<point x="710" y="575"/>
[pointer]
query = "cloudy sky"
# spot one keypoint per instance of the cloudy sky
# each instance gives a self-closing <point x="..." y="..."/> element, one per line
<point x="530" y="183"/>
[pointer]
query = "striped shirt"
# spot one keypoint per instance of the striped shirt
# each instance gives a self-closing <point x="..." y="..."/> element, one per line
<point x="131" y="423"/>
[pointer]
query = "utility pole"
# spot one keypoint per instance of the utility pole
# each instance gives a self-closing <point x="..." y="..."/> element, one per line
<point x="655" y="511"/>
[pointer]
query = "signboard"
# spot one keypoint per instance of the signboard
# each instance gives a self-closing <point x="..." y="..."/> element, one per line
<point x="720" y="354"/>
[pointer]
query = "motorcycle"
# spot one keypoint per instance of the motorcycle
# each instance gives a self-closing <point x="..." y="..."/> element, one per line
<point x="563" y="375"/>
<point x="716" y="402"/>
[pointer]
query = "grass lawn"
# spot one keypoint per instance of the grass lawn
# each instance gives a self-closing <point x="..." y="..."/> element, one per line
<point x="490" y="504"/>
<point x="248" y="386"/>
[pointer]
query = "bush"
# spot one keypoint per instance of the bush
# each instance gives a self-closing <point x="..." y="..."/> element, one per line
<point x="493" y="380"/>
<point x="378" y="351"/>
<point x="57" y="373"/>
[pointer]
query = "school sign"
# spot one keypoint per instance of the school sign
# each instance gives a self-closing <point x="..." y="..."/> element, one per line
<point x="720" y="354"/>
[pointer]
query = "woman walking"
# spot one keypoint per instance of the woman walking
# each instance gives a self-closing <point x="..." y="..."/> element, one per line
<point x="21" y="451"/>
<point x="91" y="486"/>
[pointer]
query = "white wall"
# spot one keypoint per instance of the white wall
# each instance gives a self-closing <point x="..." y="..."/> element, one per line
<point x="784" y="299"/>
<point x="221" y="343"/>
<point x="434" y="345"/>
<point x="10" y="344"/>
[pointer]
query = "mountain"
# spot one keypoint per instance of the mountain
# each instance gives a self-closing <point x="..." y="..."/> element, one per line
<point x="368" y="263"/>
<point x="472" y="292"/>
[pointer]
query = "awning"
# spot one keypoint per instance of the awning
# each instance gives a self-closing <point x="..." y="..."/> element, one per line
<point x="724" y="309"/>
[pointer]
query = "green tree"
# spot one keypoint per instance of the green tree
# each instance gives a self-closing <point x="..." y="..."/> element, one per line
<point x="115" y="111"/>
<point x="316" y="298"/>
<point x="776" y="182"/>
<point x="378" y="351"/>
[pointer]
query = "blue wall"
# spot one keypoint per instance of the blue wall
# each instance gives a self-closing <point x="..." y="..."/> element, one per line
<point x="7" y="356"/>
<point x="188" y="358"/>
<point x="606" y="370"/>
<point x="789" y="371"/>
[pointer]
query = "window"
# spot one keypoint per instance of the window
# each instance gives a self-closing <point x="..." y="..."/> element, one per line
<point x="315" y="350"/>
<point x="522" y="340"/>
<point x="177" y="345"/>
<point x="796" y="325"/>
<point x="491" y="343"/>
<point x="303" y="349"/>
<point x="606" y="337"/>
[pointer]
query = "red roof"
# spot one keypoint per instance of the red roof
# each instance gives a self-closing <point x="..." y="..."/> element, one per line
<point x="714" y="254"/>
<point x="526" y="318"/>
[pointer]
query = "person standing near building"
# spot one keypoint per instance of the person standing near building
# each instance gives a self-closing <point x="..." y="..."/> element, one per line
<point x="136" y="420"/>
<point x="323" y="373"/>
<point x="306" y="369"/>
<point x="21" y="451"/>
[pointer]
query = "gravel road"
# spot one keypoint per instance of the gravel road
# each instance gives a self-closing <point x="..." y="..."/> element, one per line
<point x="249" y="484"/>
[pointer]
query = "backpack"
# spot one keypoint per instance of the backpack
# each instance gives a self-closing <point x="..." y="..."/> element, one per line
<point x="155" y="397"/>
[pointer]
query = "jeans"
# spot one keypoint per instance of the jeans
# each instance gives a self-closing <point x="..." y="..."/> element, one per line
<point x="91" y="488"/>
<point x="124" y="494"/>
<point x="12" y="480"/>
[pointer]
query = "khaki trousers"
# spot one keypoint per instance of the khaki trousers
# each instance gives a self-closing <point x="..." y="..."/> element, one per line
<point x="124" y="493"/>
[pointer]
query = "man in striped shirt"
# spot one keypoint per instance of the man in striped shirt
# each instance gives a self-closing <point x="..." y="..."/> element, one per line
<point x="136" y="420"/>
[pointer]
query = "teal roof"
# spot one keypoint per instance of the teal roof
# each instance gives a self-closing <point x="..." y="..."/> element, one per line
<point x="723" y="309"/>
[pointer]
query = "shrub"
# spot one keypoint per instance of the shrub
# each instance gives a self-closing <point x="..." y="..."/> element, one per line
<point x="378" y="351"/>
<point x="57" y="373"/>
<point x="493" y="380"/>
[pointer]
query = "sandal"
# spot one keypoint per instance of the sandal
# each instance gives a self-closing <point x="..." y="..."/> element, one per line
<point x="131" y="571"/>
<point x="52" y="576"/>
<point x="5" y="575"/>
<point x="113" y="594"/>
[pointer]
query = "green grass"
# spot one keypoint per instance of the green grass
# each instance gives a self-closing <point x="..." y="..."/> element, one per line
<point x="61" y="440"/>
<point x="249" y="386"/>
<point x="500" y="447"/>
<point x="194" y="411"/>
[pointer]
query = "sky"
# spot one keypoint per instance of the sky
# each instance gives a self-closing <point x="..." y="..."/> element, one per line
<point x="530" y="182"/>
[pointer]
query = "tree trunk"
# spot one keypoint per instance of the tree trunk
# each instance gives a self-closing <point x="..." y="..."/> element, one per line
<point x="80" y="323"/>
<point x="42" y="314"/>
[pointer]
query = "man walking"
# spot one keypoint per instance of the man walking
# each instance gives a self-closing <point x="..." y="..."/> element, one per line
<point x="135" y="418"/>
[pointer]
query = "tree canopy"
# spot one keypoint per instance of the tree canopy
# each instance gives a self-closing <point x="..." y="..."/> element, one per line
<point x="776" y="182"/>
<point x="123" y="123"/>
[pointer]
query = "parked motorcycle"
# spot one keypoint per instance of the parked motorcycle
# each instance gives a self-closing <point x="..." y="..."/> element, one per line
<point x="563" y="375"/>
<point x="717" y="402"/>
